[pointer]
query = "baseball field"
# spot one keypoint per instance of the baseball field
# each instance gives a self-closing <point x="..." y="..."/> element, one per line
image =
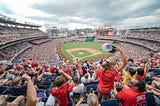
<point x="76" y="52"/>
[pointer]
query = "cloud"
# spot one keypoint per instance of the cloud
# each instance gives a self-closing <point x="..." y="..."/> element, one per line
<point x="91" y="12"/>
<point x="140" y="21"/>
<point x="5" y="9"/>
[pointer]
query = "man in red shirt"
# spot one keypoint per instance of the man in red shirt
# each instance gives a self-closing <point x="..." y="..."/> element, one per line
<point x="60" y="91"/>
<point x="134" y="95"/>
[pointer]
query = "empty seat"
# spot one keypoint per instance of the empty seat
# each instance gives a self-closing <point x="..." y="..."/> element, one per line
<point x="111" y="102"/>
<point x="93" y="86"/>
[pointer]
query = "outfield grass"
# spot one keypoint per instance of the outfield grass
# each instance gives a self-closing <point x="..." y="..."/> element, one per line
<point x="93" y="45"/>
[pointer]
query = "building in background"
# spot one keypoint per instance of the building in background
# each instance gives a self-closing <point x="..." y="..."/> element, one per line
<point x="105" y="31"/>
<point x="63" y="32"/>
<point x="53" y="32"/>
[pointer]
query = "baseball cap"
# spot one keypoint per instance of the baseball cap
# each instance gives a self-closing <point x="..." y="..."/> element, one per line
<point x="109" y="48"/>
<point x="53" y="69"/>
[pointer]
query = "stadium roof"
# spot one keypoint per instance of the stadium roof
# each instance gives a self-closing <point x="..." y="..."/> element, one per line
<point x="12" y="21"/>
<point x="146" y="28"/>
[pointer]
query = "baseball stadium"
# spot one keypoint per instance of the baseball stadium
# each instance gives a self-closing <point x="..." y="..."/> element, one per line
<point x="100" y="66"/>
<point x="81" y="51"/>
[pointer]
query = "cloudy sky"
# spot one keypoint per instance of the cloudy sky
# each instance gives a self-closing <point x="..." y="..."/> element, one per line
<point x="84" y="13"/>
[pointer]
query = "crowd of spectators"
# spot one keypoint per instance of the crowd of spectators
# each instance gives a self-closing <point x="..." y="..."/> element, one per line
<point x="7" y="34"/>
<point x="13" y="33"/>
<point x="126" y="76"/>
<point x="145" y="35"/>
<point x="11" y="51"/>
<point x="154" y="46"/>
<point x="68" y="85"/>
<point x="39" y="41"/>
<point x="46" y="51"/>
<point x="132" y="51"/>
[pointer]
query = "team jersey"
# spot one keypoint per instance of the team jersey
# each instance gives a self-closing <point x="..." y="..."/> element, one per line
<point x="131" y="97"/>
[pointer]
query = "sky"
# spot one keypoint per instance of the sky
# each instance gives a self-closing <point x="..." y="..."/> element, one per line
<point x="84" y="13"/>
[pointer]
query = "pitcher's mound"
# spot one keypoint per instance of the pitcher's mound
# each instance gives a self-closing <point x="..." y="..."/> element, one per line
<point x="80" y="52"/>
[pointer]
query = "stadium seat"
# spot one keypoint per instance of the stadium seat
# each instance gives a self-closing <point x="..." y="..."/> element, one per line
<point x="13" y="93"/>
<point x="93" y="86"/>
<point x="150" y="99"/>
<point x="111" y="102"/>
<point x="48" y="91"/>
<point x="4" y="90"/>
<point x="148" y="80"/>
<point x="42" y="94"/>
<point x="18" y="91"/>
<point x="95" y="82"/>
<point x="76" y="97"/>
<point x="85" y="84"/>
<point x="155" y="71"/>
<point x="46" y="83"/>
